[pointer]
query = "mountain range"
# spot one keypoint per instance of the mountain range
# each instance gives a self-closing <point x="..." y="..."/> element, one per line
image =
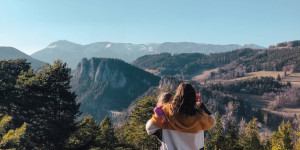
<point x="72" y="53"/>
<point x="241" y="61"/>
<point x="13" y="53"/>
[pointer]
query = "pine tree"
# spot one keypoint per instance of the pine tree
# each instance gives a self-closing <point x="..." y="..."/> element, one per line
<point x="135" y="133"/>
<point x="278" y="78"/>
<point x="251" y="139"/>
<point x="62" y="108"/>
<point x="85" y="135"/>
<point x="9" y="72"/>
<point x="285" y="73"/>
<point x="215" y="137"/>
<point x="231" y="138"/>
<point x="297" y="145"/>
<point x="282" y="139"/>
<point x="45" y="102"/>
<point x="106" y="139"/>
<point x="242" y="128"/>
<point x="10" y="139"/>
<point x="288" y="83"/>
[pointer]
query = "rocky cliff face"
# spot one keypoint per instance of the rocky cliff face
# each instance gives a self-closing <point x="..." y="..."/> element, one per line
<point x="105" y="85"/>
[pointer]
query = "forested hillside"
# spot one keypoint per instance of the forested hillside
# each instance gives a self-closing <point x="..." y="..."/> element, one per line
<point x="243" y="60"/>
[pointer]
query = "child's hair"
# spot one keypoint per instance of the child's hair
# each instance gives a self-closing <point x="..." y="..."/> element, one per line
<point x="164" y="98"/>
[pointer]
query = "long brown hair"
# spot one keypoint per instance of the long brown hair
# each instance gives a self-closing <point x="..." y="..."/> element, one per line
<point x="184" y="100"/>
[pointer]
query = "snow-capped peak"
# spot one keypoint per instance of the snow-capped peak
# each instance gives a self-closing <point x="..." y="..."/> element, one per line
<point x="108" y="45"/>
<point x="51" y="46"/>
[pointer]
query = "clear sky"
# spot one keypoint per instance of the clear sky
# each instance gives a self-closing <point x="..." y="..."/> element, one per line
<point x="31" y="25"/>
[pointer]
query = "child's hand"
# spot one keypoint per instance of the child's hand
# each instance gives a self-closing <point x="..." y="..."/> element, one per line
<point x="198" y="99"/>
<point x="158" y="111"/>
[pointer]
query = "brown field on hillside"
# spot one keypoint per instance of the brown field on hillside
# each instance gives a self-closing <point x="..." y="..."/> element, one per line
<point x="205" y="75"/>
<point x="263" y="74"/>
<point x="155" y="72"/>
<point x="294" y="78"/>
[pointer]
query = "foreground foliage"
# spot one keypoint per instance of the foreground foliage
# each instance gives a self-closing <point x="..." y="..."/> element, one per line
<point x="134" y="132"/>
<point x="10" y="139"/>
<point x="42" y="99"/>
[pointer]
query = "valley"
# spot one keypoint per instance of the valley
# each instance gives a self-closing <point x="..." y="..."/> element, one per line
<point x="238" y="85"/>
<point x="149" y="75"/>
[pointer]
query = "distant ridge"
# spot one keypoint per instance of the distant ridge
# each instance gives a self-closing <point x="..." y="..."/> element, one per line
<point x="13" y="53"/>
<point x="72" y="53"/>
<point x="289" y="44"/>
<point x="282" y="57"/>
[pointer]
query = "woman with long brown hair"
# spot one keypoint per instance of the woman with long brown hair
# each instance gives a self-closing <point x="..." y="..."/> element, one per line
<point x="187" y="118"/>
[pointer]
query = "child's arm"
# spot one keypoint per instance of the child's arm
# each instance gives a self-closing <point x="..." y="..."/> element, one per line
<point x="151" y="128"/>
<point x="158" y="111"/>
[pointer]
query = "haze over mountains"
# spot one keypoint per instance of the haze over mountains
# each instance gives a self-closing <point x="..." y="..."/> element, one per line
<point x="72" y="53"/>
<point x="108" y="86"/>
<point x="13" y="53"/>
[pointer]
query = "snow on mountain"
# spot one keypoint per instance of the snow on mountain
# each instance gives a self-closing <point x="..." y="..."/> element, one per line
<point x="72" y="53"/>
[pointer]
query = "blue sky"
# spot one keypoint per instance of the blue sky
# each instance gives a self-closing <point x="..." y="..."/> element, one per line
<point x="33" y="24"/>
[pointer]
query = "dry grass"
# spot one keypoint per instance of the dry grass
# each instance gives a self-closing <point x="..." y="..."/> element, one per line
<point x="155" y="72"/>
<point x="294" y="78"/>
<point x="260" y="74"/>
<point x="205" y="75"/>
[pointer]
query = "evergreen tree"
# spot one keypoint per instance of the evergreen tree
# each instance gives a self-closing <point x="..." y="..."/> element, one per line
<point x="10" y="139"/>
<point x="61" y="106"/>
<point x="297" y="145"/>
<point x="288" y="83"/>
<point x="135" y="133"/>
<point x="251" y="139"/>
<point x="215" y="137"/>
<point x="278" y="78"/>
<point x="231" y="138"/>
<point x="106" y="139"/>
<point x="242" y="128"/>
<point x="45" y="102"/>
<point x="85" y="135"/>
<point x="285" y="73"/>
<point x="9" y="72"/>
<point x="282" y="139"/>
